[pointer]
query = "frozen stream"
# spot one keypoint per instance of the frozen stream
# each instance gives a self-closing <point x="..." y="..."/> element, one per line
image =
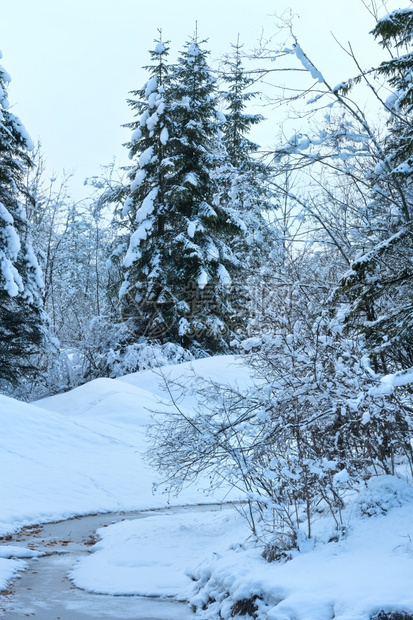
<point x="45" y="592"/>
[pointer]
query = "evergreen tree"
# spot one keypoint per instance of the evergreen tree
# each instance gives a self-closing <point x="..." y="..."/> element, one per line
<point x="145" y="208"/>
<point x="237" y="123"/>
<point x="243" y="186"/>
<point x="378" y="286"/>
<point x="244" y="178"/>
<point x="179" y="258"/>
<point x="22" y="321"/>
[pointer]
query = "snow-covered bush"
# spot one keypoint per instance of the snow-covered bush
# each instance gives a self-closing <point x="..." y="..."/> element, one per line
<point x="109" y="351"/>
<point x="315" y="425"/>
<point x="364" y="577"/>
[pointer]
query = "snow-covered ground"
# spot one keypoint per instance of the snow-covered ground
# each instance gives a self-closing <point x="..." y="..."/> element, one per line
<point x="368" y="570"/>
<point x="81" y="452"/>
<point x="152" y="557"/>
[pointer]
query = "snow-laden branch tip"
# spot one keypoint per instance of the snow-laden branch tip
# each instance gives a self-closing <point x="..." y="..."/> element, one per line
<point x="307" y="64"/>
<point x="389" y="382"/>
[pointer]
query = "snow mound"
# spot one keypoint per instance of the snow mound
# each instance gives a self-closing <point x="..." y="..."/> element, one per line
<point x="81" y="452"/>
<point x="224" y="369"/>
<point x="12" y="551"/>
<point x="105" y="399"/>
<point x="367" y="571"/>
<point x="382" y="494"/>
<point x="148" y="556"/>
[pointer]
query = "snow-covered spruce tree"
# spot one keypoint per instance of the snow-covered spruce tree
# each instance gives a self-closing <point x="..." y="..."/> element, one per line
<point x="244" y="187"/>
<point x="244" y="178"/>
<point x="22" y="320"/>
<point x="178" y="262"/>
<point x="141" y="247"/>
<point x="378" y="288"/>
<point x="237" y="123"/>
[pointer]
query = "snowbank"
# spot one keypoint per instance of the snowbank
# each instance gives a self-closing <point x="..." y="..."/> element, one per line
<point x="370" y="569"/>
<point x="149" y="556"/>
<point x="81" y="452"/>
<point x="8" y="570"/>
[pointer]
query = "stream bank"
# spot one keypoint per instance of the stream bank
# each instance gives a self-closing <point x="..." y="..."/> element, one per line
<point x="44" y="590"/>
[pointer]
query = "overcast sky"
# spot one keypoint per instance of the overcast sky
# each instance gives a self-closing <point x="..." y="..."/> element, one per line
<point x="73" y="62"/>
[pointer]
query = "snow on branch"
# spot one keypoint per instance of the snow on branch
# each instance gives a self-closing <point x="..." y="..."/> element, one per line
<point x="307" y="64"/>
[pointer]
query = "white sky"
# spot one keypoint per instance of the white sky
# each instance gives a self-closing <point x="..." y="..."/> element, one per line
<point x="73" y="62"/>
